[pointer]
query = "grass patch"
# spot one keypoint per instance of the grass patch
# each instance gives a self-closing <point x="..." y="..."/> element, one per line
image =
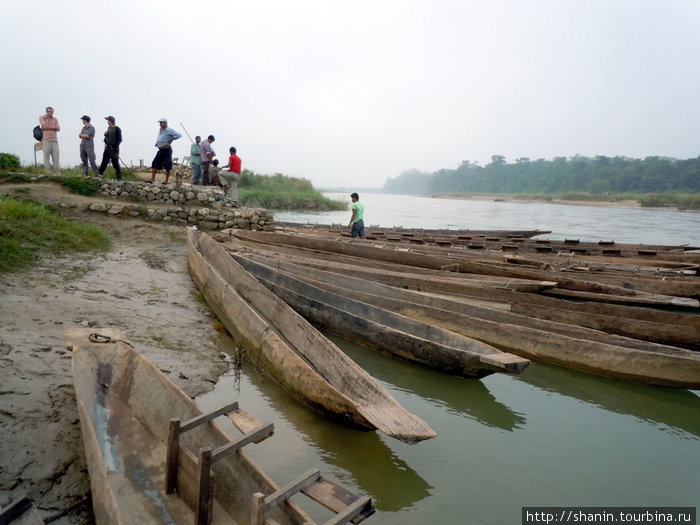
<point x="673" y="200"/>
<point x="281" y="192"/>
<point x="29" y="231"/>
<point x="14" y="178"/>
<point x="79" y="185"/>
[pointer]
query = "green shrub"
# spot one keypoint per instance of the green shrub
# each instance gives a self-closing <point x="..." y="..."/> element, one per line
<point x="8" y="161"/>
<point x="79" y="185"/>
<point x="14" y="178"/>
<point x="282" y="192"/>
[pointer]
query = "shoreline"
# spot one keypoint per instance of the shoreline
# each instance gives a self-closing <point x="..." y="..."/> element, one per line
<point x="141" y="286"/>
<point x="629" y="203"/>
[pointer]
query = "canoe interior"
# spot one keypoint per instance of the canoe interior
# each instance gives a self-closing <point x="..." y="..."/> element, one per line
<point x="125" y="405"/>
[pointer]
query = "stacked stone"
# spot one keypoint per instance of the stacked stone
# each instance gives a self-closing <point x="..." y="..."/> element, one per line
<point x="204" y="218"/>
<point x="160" y="193"/>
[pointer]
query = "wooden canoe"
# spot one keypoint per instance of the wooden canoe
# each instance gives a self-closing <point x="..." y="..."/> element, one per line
<point x="650" y="324"/>
<point x="386" y="331"/>
<point x="142" y="468"/>
<point x="125" y="405"/>
<point x="287" y="347"/>
<point x="588" y="290"/>
<point x="565" y="345"/>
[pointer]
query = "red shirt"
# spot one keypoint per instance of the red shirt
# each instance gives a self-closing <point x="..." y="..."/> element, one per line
<point x="234" y="163"/>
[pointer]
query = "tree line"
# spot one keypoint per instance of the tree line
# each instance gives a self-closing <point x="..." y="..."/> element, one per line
<point x="596" y="175"/>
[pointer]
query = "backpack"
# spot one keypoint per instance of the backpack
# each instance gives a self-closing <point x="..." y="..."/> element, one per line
<point x="38" y="134"/>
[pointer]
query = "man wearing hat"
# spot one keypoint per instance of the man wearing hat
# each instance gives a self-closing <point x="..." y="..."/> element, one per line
<point x="87" y="146"/>
<point x="164" y="157"/>
<point x="113" y="137"/>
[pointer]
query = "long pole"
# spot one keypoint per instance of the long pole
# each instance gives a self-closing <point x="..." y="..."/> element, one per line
<point x="185" y="129"/>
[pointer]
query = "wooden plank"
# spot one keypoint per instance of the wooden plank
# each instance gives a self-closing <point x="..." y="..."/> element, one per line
<point x="171" y="460"/>
<point x="187" y="478"/>
<point x="287" y="491"/>
<point x="330" y="495"/>
<point x="352" y="511"/>
<point x="196" y="421"/>
<point x="254" y="435"/>
<point x="243" y="421"/>
<point x="205" y="499"/>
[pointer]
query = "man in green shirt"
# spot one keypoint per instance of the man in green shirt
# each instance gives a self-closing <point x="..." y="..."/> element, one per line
<point x="357" y="224"/>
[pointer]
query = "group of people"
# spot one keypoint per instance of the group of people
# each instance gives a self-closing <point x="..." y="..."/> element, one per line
<point x="201" y="158"/>
<point x="49" y="144"/>
<point x="203" y="162"/>
<point x="201" y="153"/>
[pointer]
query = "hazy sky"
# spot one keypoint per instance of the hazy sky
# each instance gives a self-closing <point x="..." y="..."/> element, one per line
<point x="350" y="93"/>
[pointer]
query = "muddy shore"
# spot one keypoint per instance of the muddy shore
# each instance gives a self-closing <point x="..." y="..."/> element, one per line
<point x="141" y="287"/>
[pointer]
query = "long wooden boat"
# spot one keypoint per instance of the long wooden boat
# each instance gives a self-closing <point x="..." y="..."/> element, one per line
<point x="286" y="346"/>
<point x="571" y="346"/>
<point x="650" y="324"/>
<point x="585" y="289"/>
<point x="384" y="330"/>
<point x="141" y="471"/>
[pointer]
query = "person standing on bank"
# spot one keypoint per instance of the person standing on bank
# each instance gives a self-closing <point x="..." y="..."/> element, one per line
<point x="113" y="138"/>
<point x="49" y="141"/>
<point x="357" y="224"/>
<point x="164" y="157"/>
<point x="208" y="155"/>
<point x="196" y="160"/>
<point x="230" y="177"/>
<point x="87" y="146"/>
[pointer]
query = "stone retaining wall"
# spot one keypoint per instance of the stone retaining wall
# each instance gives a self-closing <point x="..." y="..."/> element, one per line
<point x="188" y="205"/>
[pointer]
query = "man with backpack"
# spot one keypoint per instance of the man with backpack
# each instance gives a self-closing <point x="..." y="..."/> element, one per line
<point x="49" y="141"/>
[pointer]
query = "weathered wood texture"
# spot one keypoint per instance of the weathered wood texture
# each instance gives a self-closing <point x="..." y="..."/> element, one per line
<point x="125" y="405"/>
<point x="281" y="342"/>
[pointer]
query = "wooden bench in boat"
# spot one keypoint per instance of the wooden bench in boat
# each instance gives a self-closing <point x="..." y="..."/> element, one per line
<point x="193" y="479"/>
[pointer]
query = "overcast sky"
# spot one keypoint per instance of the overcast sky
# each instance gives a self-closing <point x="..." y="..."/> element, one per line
<point x="351" y="93"/>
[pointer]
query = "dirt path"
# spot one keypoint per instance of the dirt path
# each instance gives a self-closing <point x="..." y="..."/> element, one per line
<point x="141" y="287"/>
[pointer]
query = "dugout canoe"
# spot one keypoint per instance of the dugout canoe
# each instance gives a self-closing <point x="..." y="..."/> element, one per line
<point x="584" y="289"/>
<point x="294" y="353"/>
<point x="649" y="324"/>
<point x="564" y="345"/>
<point x="125" y="405"/>
<point x="386" y="331"/>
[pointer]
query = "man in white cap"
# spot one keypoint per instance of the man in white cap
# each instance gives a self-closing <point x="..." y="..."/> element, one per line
<point x="164" y="157"/>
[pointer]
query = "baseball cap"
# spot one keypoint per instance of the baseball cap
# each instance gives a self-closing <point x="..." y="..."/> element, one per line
<point x="111" y="118"/>
<point x="85" y="117"/>
<point x="162" y="119"/>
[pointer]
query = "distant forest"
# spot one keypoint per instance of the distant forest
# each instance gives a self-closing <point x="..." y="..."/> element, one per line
<point x="597" y="175"/>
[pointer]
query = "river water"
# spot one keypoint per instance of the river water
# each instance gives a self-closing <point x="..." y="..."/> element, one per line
<point x="548" y="437"/>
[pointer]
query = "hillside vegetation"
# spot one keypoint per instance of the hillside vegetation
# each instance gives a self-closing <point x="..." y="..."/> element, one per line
<point x="598" y="177"/>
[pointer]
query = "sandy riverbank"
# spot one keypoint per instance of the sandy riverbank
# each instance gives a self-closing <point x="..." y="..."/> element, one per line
<point x="141" y="287"/>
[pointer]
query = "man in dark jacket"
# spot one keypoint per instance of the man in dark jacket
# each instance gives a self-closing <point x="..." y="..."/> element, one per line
<point x="113" y="137"/>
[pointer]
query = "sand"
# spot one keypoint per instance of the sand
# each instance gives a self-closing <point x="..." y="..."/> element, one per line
<point x="141" y="287"/>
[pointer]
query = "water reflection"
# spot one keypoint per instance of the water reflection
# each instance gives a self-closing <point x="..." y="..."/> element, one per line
<point x="337" y="445"/>
<point x="666" y="408"/>
<point x="458" y="395"/>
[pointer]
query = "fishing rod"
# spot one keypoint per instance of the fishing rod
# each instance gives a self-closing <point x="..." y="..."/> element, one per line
<point x="185" y="130"/>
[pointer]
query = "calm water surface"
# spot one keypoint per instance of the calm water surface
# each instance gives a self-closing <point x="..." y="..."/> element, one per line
<point x="549" y="437"/>
<point x="587" y="223"/>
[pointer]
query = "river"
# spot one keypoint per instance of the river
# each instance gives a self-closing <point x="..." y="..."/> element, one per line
<point x="548" y="437"/>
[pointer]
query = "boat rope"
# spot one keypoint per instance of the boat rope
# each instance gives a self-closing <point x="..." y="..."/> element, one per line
<point x="101" y="338"/>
